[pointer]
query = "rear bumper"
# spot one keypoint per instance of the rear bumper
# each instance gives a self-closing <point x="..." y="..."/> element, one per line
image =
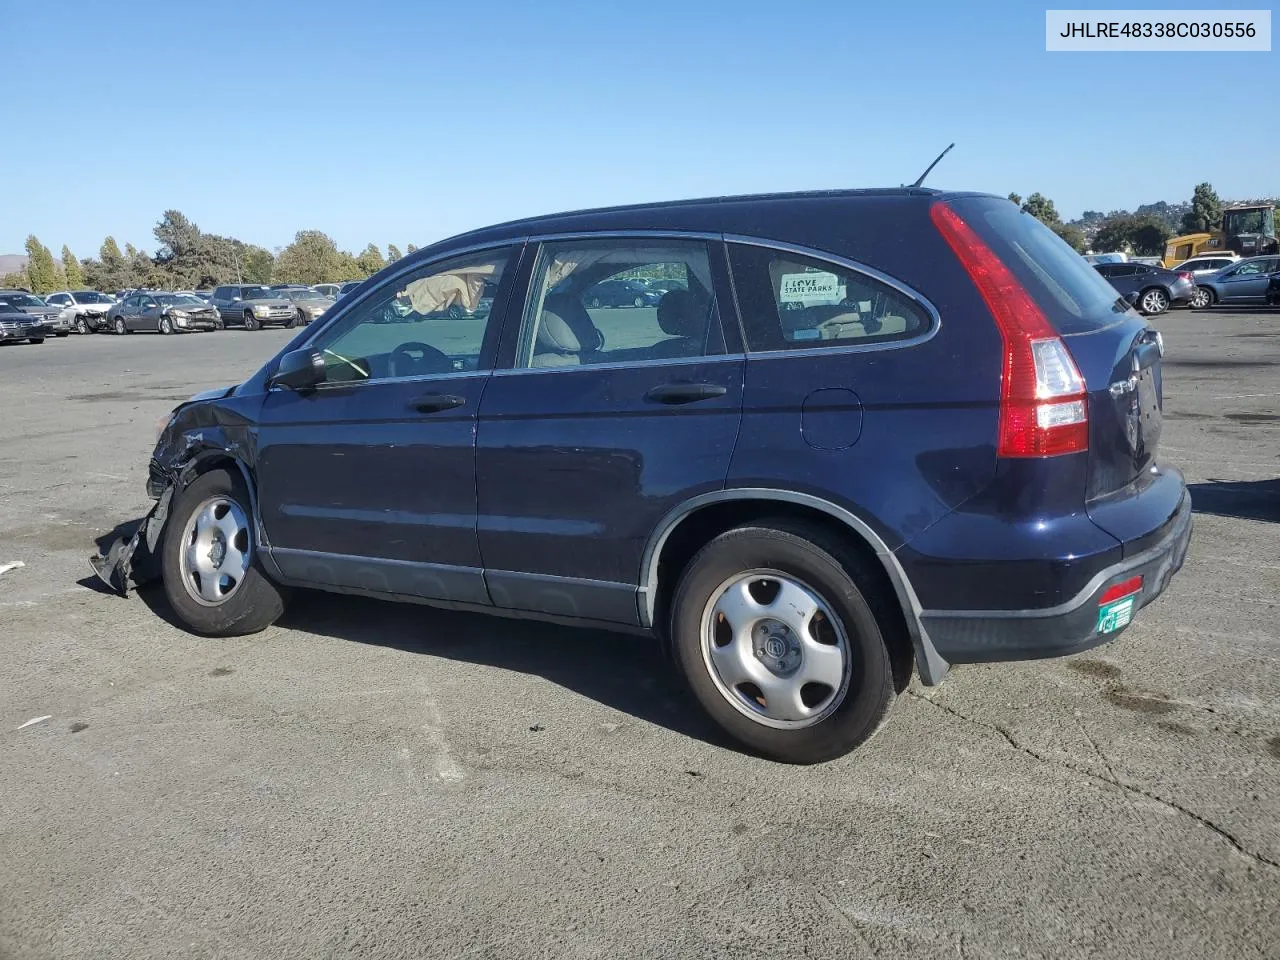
<point x="981" y="636"/>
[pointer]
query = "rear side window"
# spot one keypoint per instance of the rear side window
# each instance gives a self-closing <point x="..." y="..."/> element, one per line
<point x="1074" y="297"/>
<point x="793" y="302"/>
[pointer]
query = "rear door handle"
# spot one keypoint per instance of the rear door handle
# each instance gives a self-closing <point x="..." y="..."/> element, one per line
<point x="685" y="392"/>
<point x="435" y="402"/>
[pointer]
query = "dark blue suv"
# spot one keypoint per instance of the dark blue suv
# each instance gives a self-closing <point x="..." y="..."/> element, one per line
<point x="860" y="431"/>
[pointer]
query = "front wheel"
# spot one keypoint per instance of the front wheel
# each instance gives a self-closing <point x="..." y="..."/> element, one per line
<point x="36" y="340"/>
<point x="1153" y="301"/>
<point x="250" y="321"/>
<point x="638" y="302"/>
<point x="209" y="560"/>
<point x="782" y="637"/>
<point x="166" y="325"/>
<point x="1203" y="297"/>
<point x="82" y="325"/>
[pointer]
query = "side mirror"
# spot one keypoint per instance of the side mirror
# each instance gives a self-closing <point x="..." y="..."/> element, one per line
<point x="299" y="369"/>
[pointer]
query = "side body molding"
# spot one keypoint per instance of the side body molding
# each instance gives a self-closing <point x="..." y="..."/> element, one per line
<point x="931" y="665"/>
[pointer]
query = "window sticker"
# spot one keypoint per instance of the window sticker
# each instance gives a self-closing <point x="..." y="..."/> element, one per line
<point x="809" y="287"/>
<point x="806" y="335"/>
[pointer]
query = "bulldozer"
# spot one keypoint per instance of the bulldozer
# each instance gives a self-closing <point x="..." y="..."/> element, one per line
<point x="1249" y="230"/>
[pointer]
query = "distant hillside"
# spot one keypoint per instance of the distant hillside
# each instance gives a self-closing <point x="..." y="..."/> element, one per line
<point x="1171" y="213"/>
<point x="11" y="262"/>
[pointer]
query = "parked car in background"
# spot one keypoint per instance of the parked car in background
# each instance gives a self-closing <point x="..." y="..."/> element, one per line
<point x="662" y="286"/>
<point x="1095" y="258"/>
<point x="622" y="293"/>
<point x="1206" y="264"/>
<point x="1146" y="261"/>
<point x="348" y="287"/>
<point x="309" y="304"/>
<point x="703" y="472"/>
<point x="18" y="325"/>
<point x="34" y="306"/>
<point x="162" y="312"/>
<point x="84" y="310"/>
<point x="328" y="289"/>
<point x="1243" y="282"/>
<point x="253" y="306"/>
<point x="1156" y="288"/>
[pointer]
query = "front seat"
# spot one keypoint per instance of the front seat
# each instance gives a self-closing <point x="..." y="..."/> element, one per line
<point x="683" y="318"/>
<point x="556" y="345"/>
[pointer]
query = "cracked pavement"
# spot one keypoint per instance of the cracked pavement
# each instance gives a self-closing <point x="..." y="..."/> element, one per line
<point x="373" y="780"/>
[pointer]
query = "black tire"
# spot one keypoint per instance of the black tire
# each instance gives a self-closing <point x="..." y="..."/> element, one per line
<point x="165" y="326"/>
<point x="120" y="327"/>
<point x="638" y="302"/>
<point x="850" y="591"/>
<point x="250" y="321"/>
<point x="82" y="325"/>
<point x="60" y="335"/>
<point x="291" y="323"/>
<point x="255" y="604"/>
<point x="36" y="340"/>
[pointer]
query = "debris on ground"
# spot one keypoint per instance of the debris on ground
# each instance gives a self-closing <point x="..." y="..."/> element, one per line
<point x="34" y="720"/>
<point x="11" y="565"/>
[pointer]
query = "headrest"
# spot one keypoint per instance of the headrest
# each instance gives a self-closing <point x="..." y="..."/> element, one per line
<point x="555" y="336"/>
<point x="681" y="314"/>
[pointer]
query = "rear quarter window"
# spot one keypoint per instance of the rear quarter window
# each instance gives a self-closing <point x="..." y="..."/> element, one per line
<point x="789" y="301"/>
<point x="1075" y="298"/>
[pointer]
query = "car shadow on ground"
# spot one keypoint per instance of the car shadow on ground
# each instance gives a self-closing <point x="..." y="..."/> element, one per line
<point x="1247" y="499"/>
<point x="625" y="672"/>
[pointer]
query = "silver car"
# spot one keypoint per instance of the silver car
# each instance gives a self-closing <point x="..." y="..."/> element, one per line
<point x="310" y="304"/>
<point x="85" y="311"/>
<point x="253" y="305"/>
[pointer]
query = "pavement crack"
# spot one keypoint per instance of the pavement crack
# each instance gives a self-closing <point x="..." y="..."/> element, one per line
<point x="1112" y="780"/>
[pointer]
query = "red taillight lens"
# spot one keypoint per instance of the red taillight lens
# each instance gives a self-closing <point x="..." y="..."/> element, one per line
<point x="1186" y="275"/>
<point x="1044" y="409"/>
<point x="1120" y="590"/>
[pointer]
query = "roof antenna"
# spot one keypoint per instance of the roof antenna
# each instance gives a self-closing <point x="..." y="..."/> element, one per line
<point x="931" y="166"/>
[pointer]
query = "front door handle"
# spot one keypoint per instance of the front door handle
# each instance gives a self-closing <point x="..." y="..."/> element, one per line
<point x="435" y="402"/>
<point x="686" y="392"/>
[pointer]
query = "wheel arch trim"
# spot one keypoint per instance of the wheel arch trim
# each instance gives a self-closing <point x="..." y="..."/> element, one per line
<point x="929" y="662"/>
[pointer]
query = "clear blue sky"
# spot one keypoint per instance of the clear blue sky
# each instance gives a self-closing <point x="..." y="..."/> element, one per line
<point x="406" y="121"/>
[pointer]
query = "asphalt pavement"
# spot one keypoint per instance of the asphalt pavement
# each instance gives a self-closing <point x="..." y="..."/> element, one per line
<point x="372" y="780"/>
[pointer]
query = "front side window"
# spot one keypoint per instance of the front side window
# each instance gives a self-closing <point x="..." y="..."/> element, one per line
<point x="1251" y="268"/>
<point x="433" y="320"/>
<point x="791" y="302"/>
<point x="591" y="302"/>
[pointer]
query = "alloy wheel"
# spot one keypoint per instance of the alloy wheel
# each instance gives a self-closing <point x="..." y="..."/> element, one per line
<point x="1154" y="301"/>
<point x="1201" y="298"/>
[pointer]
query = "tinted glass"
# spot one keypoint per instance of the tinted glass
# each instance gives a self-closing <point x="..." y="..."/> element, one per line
<point x="22" y="300"/>
<point x="431" y="321"/>
<point x="582" y="305"/>
<point x="1073" y="297"/>
<point x="792" y="302"/>
<point x="91" y="296"/>
<point x="257" y="293"/>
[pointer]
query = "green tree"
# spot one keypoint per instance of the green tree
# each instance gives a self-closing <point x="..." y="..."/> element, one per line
<point x="313" y="257"/>
<point x="18" y="278"/>
<point x="1149" y="235"/>
<point x="258" y="264"/>
<point x="182" y="256"/>
<point x="1042" y="208"/>
<point x="393" y="253"/>
<point x="1015" y="200"/>
<point x="1072" y="234"/>
<point x="75" y="274"/>
<point x="59" y="276"/>
<point x="40" y="267"/>
<point x="370" y="261"/>
<point x="411" y="248"/>
<point x="1114" y="233"/>
<point x="1206" y="210"/>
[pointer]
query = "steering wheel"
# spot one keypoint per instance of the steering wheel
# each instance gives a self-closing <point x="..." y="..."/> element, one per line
<point x="415" y="359"/>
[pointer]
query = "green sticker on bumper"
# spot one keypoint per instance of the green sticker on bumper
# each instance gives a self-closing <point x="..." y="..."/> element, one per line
<point x="1116" y="614"/>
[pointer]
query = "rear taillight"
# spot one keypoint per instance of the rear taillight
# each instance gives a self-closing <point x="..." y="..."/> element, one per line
<point x="1185" y="275"/>
<point x="1119" y="591"/>
<point x="1044" y="407"/>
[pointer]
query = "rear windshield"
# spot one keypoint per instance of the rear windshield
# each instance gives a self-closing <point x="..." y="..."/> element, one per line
<point x="1073" y="296"/>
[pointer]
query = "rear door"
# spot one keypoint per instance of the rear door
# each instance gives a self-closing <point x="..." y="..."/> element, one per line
<point x="606" y="419"/>
<point x="1126" y="492"/>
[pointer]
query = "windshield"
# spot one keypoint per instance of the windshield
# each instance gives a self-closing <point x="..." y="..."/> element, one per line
<point x="22" y="300"/>
<point x="179" y="300"/>
<point x="1236" y="222"/>
<point x="91" y="296"/>
<point x="259" y="293"/>
<point x="1074" y="298"/>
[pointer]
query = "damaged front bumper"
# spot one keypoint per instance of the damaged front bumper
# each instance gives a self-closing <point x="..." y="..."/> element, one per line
<point x="132" y="561"/>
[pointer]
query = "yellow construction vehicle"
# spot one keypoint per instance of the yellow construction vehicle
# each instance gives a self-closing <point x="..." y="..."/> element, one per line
<point x="1249" y="230"/>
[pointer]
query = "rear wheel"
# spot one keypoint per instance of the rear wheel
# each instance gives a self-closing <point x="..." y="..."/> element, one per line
<point x="639" y="302"/>
<point x="1153" y="301"/>
<point x="1203" y="297"/>
<point x="250" y="321"/>
<point x="63" y="333"/>
<point x="209" y="560"/>
<point x="781" y="635"/>
<point x="120" y="327"/>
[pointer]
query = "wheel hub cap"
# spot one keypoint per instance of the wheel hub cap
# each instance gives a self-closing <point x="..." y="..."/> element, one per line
<point x="774" y="649"/>
<point x="216" y="551"/>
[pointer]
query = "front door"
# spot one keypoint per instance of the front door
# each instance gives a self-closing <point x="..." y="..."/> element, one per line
<point x="1248" y="282"/>
<point x="368" y="481"/>
<point x="604" y="420"/>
